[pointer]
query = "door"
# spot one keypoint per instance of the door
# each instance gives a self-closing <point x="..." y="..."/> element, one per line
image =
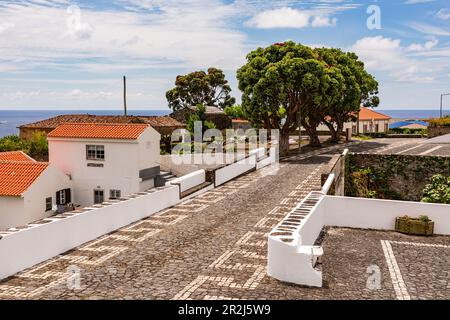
<point x="99" y="196"/>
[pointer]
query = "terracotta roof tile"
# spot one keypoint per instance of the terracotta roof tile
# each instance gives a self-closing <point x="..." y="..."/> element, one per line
<point x="17" y="176"/>
<point x="99" y="131"/>
<point x="15" y="156"/>
<point x="369" y="114"/>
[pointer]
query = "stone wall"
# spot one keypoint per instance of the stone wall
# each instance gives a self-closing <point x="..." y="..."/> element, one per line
<point x="437" y="131"/>
<point x="395" y="177"/>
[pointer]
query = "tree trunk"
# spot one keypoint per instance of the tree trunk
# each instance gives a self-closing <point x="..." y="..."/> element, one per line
<point x="334" y="133"/>
<point x="313" y="136"/>
<point x="284" y="143"/>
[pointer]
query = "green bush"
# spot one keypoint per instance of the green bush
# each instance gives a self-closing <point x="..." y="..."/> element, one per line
<point x="12" y="143"/>
<point x="440" y="122"/>
<point x="36" y="147"/>
<point x="438" y="191"/>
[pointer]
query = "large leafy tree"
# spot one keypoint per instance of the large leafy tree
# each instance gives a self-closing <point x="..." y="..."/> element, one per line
<point x="279" y="81"/>
<point x="358" y="87"/>
<point x="207" y="88"/>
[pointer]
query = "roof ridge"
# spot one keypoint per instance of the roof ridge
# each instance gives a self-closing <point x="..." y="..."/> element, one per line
<point x="34" y="162"/>
<point x="371" y="109"/>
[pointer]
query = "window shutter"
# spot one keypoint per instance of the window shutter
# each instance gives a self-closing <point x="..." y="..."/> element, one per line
<point x="58" y="198"/>
<point x="68" y="196"/>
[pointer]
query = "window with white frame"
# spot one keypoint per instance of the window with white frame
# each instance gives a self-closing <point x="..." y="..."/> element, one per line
<point x="95" y="152"/>
<point x="114" y="194"/>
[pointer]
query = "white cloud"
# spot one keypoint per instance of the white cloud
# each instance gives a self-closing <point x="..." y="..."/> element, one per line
<point x="387" y="55"/>
<point x="176" y="35"/>
<point x="423" y="47"/>
<point x="322" y="21"/>
<point x="290" y="18"/>
<point x="429" y="29"/>
<point x="443" y="14"/>
<point x="75" y="93"/>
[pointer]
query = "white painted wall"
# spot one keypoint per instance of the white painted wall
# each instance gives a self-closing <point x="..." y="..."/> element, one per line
<point x="25" y="248"/>
<point x="12" y="213"/>
<point x="120" y="171"/>
<point x="19" y="211"/>
<point x="292" y="261"/>
<point x="380" y="214"/>
<point x="190" y="180"/>
<point x="231" y="171"/>
<point x="179" y="169"/>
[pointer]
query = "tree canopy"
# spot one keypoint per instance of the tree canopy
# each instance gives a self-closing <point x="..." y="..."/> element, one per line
<point x="285" y="79"/>
<point x="207" y="88"/>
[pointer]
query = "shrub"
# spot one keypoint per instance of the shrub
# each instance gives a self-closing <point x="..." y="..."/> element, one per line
<point x="438" y="191"/>
<point x="440" y="122"/>
<point x="12" y="143"/>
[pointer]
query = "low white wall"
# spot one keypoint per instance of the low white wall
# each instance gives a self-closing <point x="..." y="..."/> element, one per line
<point x="260" y="153"/>
<point x="231" y="171"/>
<point x="167" y="164"/>
<point x="291" y="260"/>
<point x="190" y="180"/>
<point x="25" y="248"/>
<point x="380" y="214"/>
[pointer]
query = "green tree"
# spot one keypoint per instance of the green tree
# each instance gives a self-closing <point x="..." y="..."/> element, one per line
<point x="199" y="87"/>
<point x="358" y="87"/>
<point x="234" y="112"/>
<point x="199" y="115"/>
<point x="438" y="191"/>
<point x="282" y="79"/>
<point x="38" y="146"/>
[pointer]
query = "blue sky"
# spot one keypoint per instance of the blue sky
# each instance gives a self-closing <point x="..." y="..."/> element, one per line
<point x="60" y="54"/>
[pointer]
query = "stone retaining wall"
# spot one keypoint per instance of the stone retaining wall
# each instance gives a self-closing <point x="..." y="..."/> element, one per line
<point x="395" y="177"/>
<point x="437" y="131"/>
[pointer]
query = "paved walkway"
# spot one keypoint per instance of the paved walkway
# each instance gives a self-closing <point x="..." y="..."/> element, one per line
<point x="209" y="247"/>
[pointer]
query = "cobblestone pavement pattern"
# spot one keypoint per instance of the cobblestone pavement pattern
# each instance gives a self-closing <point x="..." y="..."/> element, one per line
<point x="215" y="245"/>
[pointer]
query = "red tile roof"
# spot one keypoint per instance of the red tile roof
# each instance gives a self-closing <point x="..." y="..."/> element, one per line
<point x="369" y="114"/>
<point x="17" y="176"/>
<point x="15" y="156"/>
<point x="99" y="131"/>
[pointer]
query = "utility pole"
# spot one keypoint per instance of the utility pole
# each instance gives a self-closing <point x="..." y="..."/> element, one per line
<point x="125" y="95"/>
<point x="442" y="98"/>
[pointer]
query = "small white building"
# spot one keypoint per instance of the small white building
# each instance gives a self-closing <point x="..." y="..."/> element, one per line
<point x="29" y="190"/>
<point x="106" y="161"/>
<point x="369" y="121"/>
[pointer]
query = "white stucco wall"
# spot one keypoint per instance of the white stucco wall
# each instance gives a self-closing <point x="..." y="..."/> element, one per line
<point x="19" y="211"/>
<point x="233" y="170"/>
<point x="12" y="212"/>
<point x="381" y="214"/>
<point x="25" y="248"/>
<point x="292" y="261"/>
<point x="190" y="180"/>
<point x="120" y="171"/>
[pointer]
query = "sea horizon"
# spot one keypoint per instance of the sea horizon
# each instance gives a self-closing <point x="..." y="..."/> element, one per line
<point x="11" y="119"/>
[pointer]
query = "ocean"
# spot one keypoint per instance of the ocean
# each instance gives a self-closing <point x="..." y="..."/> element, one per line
<point x="11" y="119"/>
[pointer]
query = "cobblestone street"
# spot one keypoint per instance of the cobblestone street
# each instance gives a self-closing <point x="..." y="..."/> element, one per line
<point x="214" y="246"/>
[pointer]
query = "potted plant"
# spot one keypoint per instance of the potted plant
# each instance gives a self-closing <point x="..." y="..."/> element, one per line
<point x="417" y="226"/>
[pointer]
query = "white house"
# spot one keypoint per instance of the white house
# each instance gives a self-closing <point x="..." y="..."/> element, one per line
<point x="29" y="190"/>
<point x="106" y="161"/>
<point x="369" y="121"/>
